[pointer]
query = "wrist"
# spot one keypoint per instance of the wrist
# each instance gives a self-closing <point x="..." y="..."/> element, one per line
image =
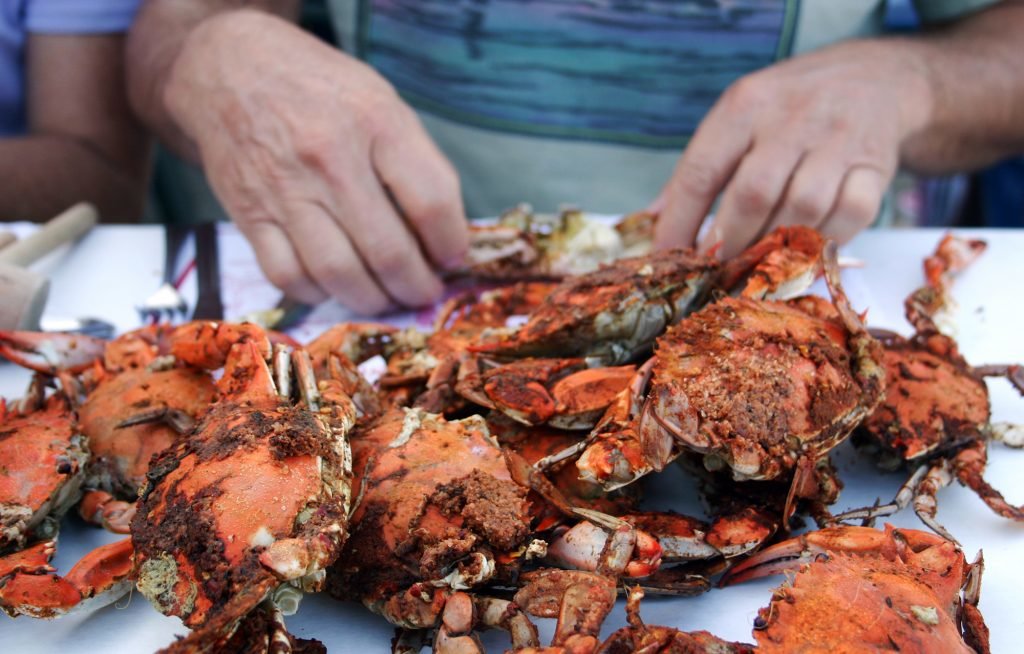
<point x="206" y="65"/>
<point x="916" y="90"/>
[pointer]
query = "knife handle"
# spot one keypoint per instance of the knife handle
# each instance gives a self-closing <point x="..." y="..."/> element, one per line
<point x="66" y="227"/>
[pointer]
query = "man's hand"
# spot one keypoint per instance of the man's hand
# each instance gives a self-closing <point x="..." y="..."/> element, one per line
<point x="812" y="141"/>
<point x="320" y="164"/>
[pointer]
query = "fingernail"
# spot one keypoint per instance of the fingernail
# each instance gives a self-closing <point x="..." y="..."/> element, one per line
<point x="710" y="238"/>
<point x="456" y="262"/>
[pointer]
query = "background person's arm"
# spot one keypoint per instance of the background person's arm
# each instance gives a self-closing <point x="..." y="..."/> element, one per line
<point x="816" y="140"/>
<point x="83" y="143"/>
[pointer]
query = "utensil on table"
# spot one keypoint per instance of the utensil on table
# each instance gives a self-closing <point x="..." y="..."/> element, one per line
<point x="89" y="326"/>
<point x="166" y="303"/>
<point x="23" y="293"/>
<point x="287" y="313"/>
<point x="208" y="303"/>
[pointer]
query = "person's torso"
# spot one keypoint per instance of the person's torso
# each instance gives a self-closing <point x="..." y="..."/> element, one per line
<point x="588" y="103"/>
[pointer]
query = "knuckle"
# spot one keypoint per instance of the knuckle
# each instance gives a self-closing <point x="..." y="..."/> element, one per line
<point x="754" y="195"/>
<point x="861" y="206"/>
<point x="744" y="94"/>
<point x="807" y="207"/>
<point x="330" y="271"/>
<point x="388" y="260"/>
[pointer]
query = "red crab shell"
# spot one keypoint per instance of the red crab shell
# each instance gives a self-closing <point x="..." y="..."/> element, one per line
<point x="893" y="590"/>
<point x="256" y="495"/>
<point x="42" y="460"/>
<point x="431" y="493"/>
<point x="753" y="385"/>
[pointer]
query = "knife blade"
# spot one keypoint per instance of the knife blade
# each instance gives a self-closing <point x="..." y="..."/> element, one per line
<point x="209" y="305"/>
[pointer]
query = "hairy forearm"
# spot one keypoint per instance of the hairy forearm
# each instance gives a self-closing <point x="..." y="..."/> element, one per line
<point x="44" y="174"/>
<point x="154" y="44"/>
<point x="976" y="92"/>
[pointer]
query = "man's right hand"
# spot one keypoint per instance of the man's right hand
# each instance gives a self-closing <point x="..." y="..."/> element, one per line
<point x="326" y="171"/>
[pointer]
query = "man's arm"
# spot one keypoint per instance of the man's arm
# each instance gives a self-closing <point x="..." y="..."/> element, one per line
<point x="976" y="92"/>
<point x="83" y="142"/>
<point x="323" y="168"/>
<point x="154" y="44"/>
<point x="816" y="140"/>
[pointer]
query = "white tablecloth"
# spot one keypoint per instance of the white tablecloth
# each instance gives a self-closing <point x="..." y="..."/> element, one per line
<point x="115" y="267"/>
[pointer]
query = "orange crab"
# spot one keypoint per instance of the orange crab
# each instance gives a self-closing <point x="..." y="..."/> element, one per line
<point x="613" y="315"/>
<point x="44" y="463"/>
<point x="132" y="389"/>
<point x="429" y="525"/>
<point x="935" y="416"/>
<point x="255" y="499"/>
<point x="762" y="389"/>
<point x="428" y="365"/>
<point x="895" y="590"/>
<point x="853" y="589"/>
<point x="563" y="393"/>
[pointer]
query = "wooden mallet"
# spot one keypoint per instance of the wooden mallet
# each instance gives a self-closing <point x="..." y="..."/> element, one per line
<point x="22" y="292"/>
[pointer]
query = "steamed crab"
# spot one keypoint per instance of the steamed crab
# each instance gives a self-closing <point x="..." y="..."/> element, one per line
<point x="254" y="500"/>
<point x="528" y="245"/>
<point x="563" y="393"/>
<point x="43" y="462"/>
<point x="936" y="414"/>
<point x="127" y="392"/>
<point x="429" y="525"/>
<point x="897" y="589"/>
<point x="716" y="384"/>
<point x="612" y="315"/>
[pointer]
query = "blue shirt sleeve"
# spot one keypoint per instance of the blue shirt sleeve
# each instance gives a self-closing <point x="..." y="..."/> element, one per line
<point x="79" y="16"/>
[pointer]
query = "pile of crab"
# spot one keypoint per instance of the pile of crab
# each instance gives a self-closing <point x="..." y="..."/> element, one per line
<point x="489" y="475"/>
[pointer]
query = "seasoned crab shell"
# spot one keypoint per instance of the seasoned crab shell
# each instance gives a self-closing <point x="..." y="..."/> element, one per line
<point x="436" y="503"/>
<point x="42" y="460"/>
<point x="258" y="494"/>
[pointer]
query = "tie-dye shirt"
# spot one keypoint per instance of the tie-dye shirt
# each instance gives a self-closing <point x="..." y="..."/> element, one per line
<point x="586" y="102"/>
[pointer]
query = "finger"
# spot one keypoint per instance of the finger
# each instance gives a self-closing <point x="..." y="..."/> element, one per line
<point x="709" y="160"/>
<point x="813" y="190"/>
<point x="326" y="252"/>
<point x="384" y="243"/>
<point x="859" y="200"/>
<point x="751" y="197"/>
<point x="279" y="261"/>
<point x="426" y="189"/>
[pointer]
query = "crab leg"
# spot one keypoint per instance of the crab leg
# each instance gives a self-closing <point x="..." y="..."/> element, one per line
<point x="800" y="550"/>
<point x="50" y="353"/>
<point x="29" y="587"/>
<point x="580" y="600"/>
<point x="607" y="545"/>
<point x="920" y="489"/>
<point x="102" y="508"/>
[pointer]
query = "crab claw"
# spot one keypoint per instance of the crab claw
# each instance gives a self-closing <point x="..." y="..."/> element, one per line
<point x="98" y="579"/>
<point x="51" y="353"/>
<point x="804" y="549"/>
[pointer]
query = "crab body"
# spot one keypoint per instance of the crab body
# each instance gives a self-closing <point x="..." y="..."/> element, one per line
<point x="255" y="496"/>
<point x="43" y="458"/>
<point x="897" y="589"/>
<point x="936" y="413"/>
<point x="763" y="389"/>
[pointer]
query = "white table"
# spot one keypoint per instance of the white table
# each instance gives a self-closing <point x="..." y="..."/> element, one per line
<point x="115" y="267"/>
